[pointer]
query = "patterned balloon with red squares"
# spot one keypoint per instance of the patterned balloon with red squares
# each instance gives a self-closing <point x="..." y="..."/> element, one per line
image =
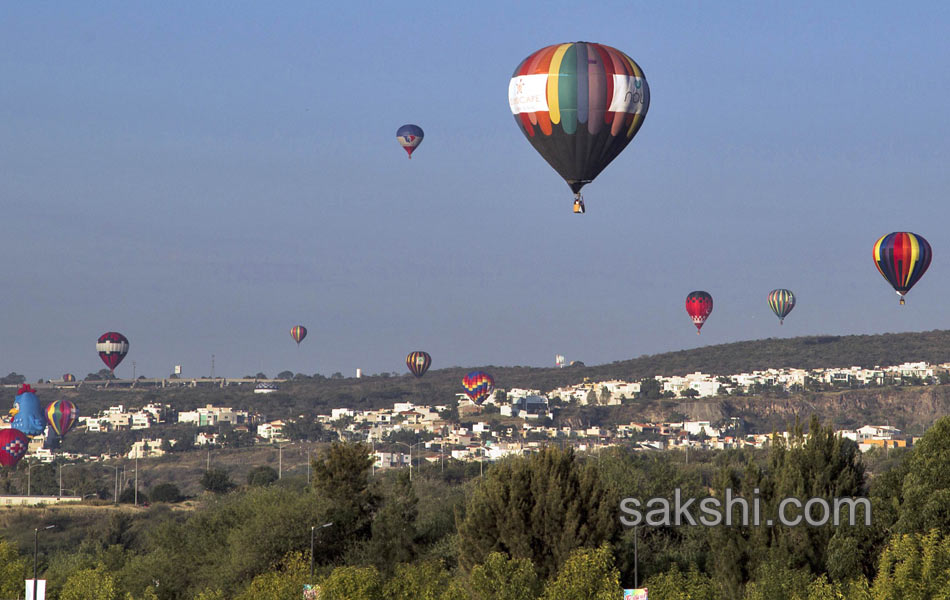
<point x="13" y="446"/>
<point x="699" y="305"/>
<point x="61" y="415"/>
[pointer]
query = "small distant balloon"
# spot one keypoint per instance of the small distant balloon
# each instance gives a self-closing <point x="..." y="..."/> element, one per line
<point x="69" y="378"/>
<point x="699" y="305"/>
<point x="61" y="415"/>
<point x="418" y="362"/>
<point x="13" y="446"/>
<point x="902" y="258"/>
<point x="409" y="136"/>
<point x="478" y="386"/>
<point x="781" y="302"/>
<point x="298" y="332"/>
<point x="112" y="348"/>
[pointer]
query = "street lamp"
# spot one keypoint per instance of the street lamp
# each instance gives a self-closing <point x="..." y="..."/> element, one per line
<point x="36" y="536"/>
<point x="410" y="454"/>
<point x="61" y="465"/>
<point x="312" y="529"/>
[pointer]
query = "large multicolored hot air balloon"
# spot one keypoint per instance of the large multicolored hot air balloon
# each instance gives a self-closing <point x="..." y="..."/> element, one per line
<point x="112" y="348"/>
<point x="579" y="104"/>
<point x="902" y="258"/>
<point x="298" y="332"/>
<point x="13" y="446"/>
<point x="781" y="302"/>
<point x="27" y="414"/>
<point x="418" y="362"/>
<point x="478" y="386"/>
<point x="409" y="136"/>
<point x="61" y="415"/>
<point x="699" y="304"/>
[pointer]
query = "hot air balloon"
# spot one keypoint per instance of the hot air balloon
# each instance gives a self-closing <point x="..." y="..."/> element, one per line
<point x="409" y="136"/>
<point x="27" y="414"/>
<point x="69" y="378"/>
<point x="699" y="305"/>
<point x="902" y="258"/>
<point x="579" y="104"/>
<point x="782" y="302"/>
<point x="298" y="332"/>
<point x="112" y="348"/>
<point x="13" y="446"/>
<point x="478" y="386"/>
<point x="418" y="362"/>
<point x="61" y="415"/>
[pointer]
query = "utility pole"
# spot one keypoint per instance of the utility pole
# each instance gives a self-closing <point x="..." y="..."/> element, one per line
<point x="136" y="478"/>
<point x="212" y="367"/>
<point x="133" y="370"/>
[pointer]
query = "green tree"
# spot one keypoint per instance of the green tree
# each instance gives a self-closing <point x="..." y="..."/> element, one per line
<point x="90" y="583"/>
<point x="394" y="533"/>
<point x="914" y="567"/>
<point x="418" y="581"/>
<point x="588" y="574"/>
<point x="165" y="492"/>
<point x="676" y="585"/>
<point x="283" y="583"/>
<point x="262" y="476"/>
<point x="504" y="578"/>
<point x="13" y="570"/>
<point x="341" y="477"/>
<point x="217" y="481"/>
<point x="926" y="485"/>
<point x="352" y="583"/>
<point x="540" y="508"/>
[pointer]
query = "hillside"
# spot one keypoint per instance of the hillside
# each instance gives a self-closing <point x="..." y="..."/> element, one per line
<point x="307" y="395"/>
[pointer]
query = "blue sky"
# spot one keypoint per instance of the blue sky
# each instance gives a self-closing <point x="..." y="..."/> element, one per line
<point x="202" y="178"/>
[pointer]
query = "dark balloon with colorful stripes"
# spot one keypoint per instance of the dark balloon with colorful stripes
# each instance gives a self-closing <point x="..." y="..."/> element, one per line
<point x="579" y="104"/>
<point x="112" y="348"/>
<point x="781" y="302"/>
<point x="418" y="362"/>
<point x="409" y="137"/>
<point x="69" y="378"/>
<point x="298" y="332"/>
<point x="61" y="415"/>
<point x="699" y="305"/>
<point x="902" y="258"/>
<point x="478" y="386"/>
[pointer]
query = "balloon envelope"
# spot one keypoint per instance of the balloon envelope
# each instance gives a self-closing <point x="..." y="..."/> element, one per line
<point x="902" y="258"/>
<point x="298" y="332"/>
<point x="478" y="386"/>
<point x="61" y="415"/>
<point x="579" y="104"/>
<point x="69" y="377"/>
<point x="699" y="305"/>
<point x="409" y="137"/>
<point x="781" y="302"/>
<point x="112" y="348"/>
<point x="28" y="416"/>
<point x="418" y="362"/>
<point x="13" y="446"/>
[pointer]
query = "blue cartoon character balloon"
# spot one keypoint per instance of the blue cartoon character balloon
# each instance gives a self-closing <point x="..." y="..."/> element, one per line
<point x="27" y="414"/>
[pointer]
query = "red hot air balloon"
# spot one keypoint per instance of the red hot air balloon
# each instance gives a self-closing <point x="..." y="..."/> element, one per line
<point x="298" y="332"/>
<point x="698" y="306"/>
<point x="418" y="362"/>
<point x="112" y="348"/>
<point x="13" y="446"/>
<point x="478" y="386"/>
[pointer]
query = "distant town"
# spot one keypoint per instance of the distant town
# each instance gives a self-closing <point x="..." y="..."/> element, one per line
<point x="523" y="418"/>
